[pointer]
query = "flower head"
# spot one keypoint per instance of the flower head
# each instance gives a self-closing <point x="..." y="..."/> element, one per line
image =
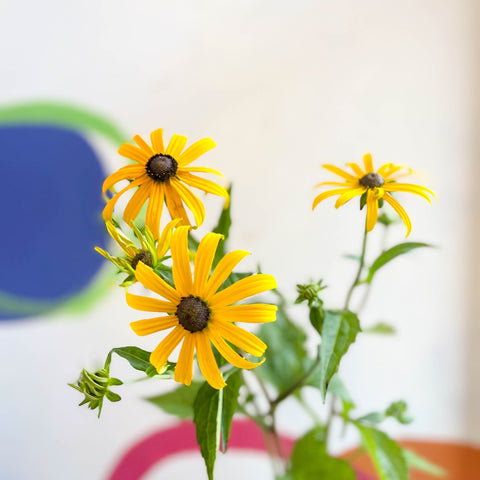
<point x="163" y="174"/>
<point x="375" y="185"/>
<point x="199" y="313"/>
<point x="151" y="252"/>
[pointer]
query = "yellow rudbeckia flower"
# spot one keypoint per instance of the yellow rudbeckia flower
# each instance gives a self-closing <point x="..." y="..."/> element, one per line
<point x="199" y="314"/>
<point x="163" y="174"/>
<point x="376" y="185"/>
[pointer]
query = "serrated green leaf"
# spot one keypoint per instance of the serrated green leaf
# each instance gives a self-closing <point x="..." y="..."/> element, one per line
<point x="390" y="254"/>
<point x="386" y="454"/>
<point x="338" y="333"/>
<point x="417" y="462"/>
<point x="310" y="459"/>
<point x="178" y="402"/>
<point x="380" y="328"/>
<point x="230" y="400"/>
<point x="207" y="413"/>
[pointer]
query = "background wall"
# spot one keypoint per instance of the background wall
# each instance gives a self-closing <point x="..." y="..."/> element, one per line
<point x="282" y="87"/>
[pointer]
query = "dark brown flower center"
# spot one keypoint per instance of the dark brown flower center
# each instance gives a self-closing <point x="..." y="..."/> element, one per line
<point x="161" y="167"/>
<point x="193" y="313"/>
<point x="144" y="257"/>
<point x="372" y="180"/>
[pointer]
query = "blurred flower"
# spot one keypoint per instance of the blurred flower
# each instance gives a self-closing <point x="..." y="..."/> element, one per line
<point x="201" y="314"/>
<point x="163" y="175"/>
<point x="374" y="185"/>
<point x="151" y="252"/>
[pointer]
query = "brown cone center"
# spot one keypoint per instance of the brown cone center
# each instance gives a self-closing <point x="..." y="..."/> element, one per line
<point x="144" y="257"/>
<point x="372" y="180"/>
<point x="193" y="313"/>
<point x="161" y="167"/>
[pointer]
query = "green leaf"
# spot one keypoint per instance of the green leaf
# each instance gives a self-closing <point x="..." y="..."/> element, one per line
<point x="230" y="401"/>
<point x="136" y="357"/>
<point x="380" y="328"/>
<point x="398" y="410"/>
<point x="337" y="387"/>
<point x="419" y="463"/>
<point x="386" y="454"/>
<point x="390" y="254"/>
<point x="207" y="415"/>
<point x="316" y="316"/>
<point x="374" y="417"/>
<point x="338" y="333"/>
<point x="178" y="402"/>
<point x="310" y="459"/>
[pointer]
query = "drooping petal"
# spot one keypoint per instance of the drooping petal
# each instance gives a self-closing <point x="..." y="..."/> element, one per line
<point x="154" y="208"/>
<point x="148" y="304"/>
<point x="368" y="162"/>
<point x="149" y="279"/>
<point x="329" y="193"/>
<point x="124" y="242"/>
<point x="157" y="141"/>
<point x="130" y="172"/>
<point x="200" y="170"/>
<point x="182" y="273"/>
<point x="108" y="210"/>
<point x="195" y="150"/>
<point x="153" y="325"/>
<point x="253" y="313"/>
<point x="348" y="195"/>
<point x="228" y="353"/>
<point x="164" y="243"/>
<point x="239" y="337"/>
<point x="409" y="188"/>
<point x="133" y="153"/>
<point x="206" y="361"/>
<point x="191" y="200"/>
<point x="356" y="168"/>
<point x="386" y="169"/>
<point x="175" y="146"/>
<point x="174" y="204"/>
<point x="160" y="355"/>
<point x="144" y="145"/>
<point x="244" y="288"/>
<point x="184" y="368"/>
<point x="137" y="201"/>
<point x="203" y="261"/>
<point x="401" y="212"/>
<point x="372" y="210"/>
<point x="206" y="185"/>
<point x="341" y="173"/>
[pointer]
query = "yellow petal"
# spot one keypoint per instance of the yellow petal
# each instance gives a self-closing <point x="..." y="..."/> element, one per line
<point x="228" y="353"/>
<point x="148" y="304"/>
<point x="174" y="204"/>
<point x="153" y="325"/>
<point x="329" y="193"/>
<point x="372" y="210"/>
<point x="154" y="208"/>
<point x="239" y="337"/>
<point x="356" y="168"/>
<point x="191" y="201"/>
<point x="368" y="162"/>
<point x="124" y="242"/>
<point x="184" y="368"/>
<point x="222" y="271"/>
<point x="195" y="150"/>
<point x="157" y="141"/>
<point x="133" y="153"/>
<point x="137" y="201"/>
<point x="401" y="212"/>
<point x="348" y="195"/>
<point x="200" y="170"/>
<point x="206" y="361"/>
<point x="206" y="185"/>
<point x="203" y="261"/>
<point x="164" y="242"/>
<point x="340" y="172"/>
<point x="253" y="313"/>
<point x="409" y="188"/>
<point x="144" y="145"/>
<point x="182" y="274"/>
<point x="340" y="184"/>
<point x="108" y="210"/>
<point x="129" y="172"/>
<point x="149" y="279"/>
<point x="175" y="146"/>
<point x="244" y="288"/>
<point x="160" y="355"/>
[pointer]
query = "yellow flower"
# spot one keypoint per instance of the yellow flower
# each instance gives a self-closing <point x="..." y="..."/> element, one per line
<point x="199" y="313"/>
<point x="375" y="184"/>
<point x="150" y="252"/>
<point x="163" y="175"/>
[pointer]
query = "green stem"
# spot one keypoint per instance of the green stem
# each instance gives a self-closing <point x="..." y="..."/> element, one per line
<point x="356" y="282"/>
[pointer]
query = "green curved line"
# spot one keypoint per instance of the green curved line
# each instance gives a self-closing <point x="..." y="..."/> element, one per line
<point x="61" y="114"/>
